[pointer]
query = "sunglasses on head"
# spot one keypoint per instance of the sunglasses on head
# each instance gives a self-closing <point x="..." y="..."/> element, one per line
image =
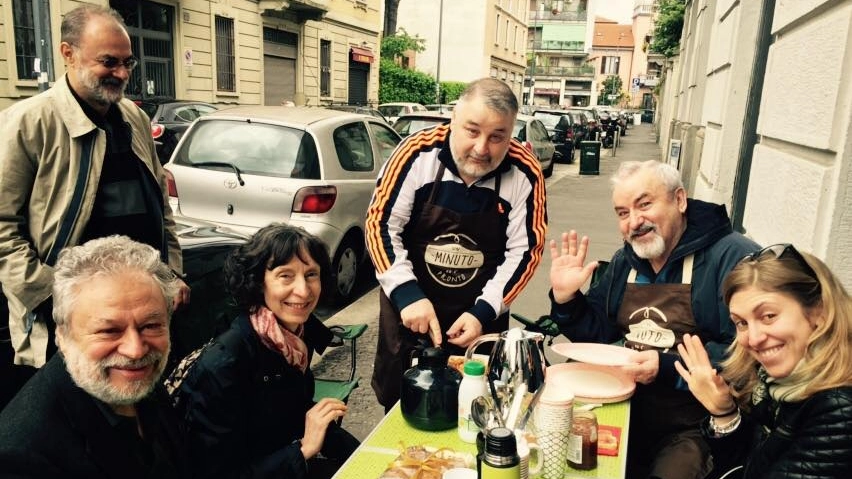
<point x="780" y="251"/>
<point x="113" y="63"/>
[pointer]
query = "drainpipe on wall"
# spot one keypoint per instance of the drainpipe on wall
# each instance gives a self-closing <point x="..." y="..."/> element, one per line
<point x="752" y="112"/>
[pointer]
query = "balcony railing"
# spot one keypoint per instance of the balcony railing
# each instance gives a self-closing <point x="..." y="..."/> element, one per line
<point x="583" y="71"/>
<point x="556" y="46"/>
<point x="549" y="16"/>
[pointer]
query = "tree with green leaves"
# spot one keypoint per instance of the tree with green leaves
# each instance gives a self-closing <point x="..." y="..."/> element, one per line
<point x="395" y="46"/>
<point x="401" y="84"/>
<point x="668" y="28"/>
<point x="611" y="86"/>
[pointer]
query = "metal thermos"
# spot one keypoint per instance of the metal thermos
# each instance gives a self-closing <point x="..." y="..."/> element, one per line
<point x="500" y="458"/>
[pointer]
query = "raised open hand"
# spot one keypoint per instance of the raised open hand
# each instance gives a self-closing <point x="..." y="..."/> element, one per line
<point x="567" y="270"/>
<point x="706" y="385"/>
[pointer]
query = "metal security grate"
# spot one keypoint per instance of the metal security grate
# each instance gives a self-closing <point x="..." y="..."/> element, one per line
<point x="225" y="68"/>
<point x="325" y="68"/>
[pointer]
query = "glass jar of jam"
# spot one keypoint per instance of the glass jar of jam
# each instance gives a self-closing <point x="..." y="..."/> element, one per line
<point x="583" y="441"/>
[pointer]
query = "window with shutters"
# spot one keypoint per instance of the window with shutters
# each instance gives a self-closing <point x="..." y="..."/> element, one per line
<point x="610" y="65"/>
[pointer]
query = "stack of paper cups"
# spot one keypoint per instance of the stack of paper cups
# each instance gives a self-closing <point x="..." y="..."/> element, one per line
<point x="552" y="417"/>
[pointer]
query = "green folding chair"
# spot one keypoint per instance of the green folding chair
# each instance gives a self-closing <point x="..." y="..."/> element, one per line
<point x="341" y="388"/>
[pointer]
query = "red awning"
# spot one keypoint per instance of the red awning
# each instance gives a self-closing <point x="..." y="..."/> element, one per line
<point x="362" y="55"/>
<point x="547" y="91"/>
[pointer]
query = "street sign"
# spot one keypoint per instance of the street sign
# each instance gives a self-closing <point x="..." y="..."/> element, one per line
<point x="636" y="82"/>
<point x="611" y="97"/>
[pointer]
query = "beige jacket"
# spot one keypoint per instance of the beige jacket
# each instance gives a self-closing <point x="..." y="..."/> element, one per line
<point x="51" y="156"/>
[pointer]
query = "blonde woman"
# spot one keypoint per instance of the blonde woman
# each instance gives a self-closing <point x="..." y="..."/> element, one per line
<point x="782" y="404"/>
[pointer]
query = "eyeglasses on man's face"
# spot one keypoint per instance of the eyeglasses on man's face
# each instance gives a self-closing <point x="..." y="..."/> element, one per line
<point x="112" y="63"/>
<point x="780" y="251"/>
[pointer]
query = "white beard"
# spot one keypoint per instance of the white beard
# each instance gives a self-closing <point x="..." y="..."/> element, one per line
<point x="649" y="249"/>
<point x="93" y="376"/>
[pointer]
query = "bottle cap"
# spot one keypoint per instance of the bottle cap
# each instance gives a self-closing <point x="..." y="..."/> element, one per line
<point x="474" y="368"/>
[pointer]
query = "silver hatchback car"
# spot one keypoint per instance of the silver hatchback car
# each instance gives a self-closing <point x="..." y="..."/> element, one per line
<point x="246" y="167"/>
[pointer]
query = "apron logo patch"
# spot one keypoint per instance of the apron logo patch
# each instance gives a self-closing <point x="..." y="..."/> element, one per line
<point x="453" y="260"/>
<point x="647" y="332"/>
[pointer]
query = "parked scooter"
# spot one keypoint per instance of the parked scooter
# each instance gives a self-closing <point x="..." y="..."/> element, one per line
<point x="608" y="128"/>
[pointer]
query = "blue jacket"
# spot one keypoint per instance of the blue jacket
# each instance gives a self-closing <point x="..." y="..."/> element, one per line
<point x="591" y="317"/>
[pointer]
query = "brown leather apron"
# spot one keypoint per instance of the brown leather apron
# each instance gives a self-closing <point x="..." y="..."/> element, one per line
<point x="664" y="437"/>
<point x="453" y="256"/>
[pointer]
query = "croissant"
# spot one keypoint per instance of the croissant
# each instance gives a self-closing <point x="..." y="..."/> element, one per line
<point x="420" y="462"/>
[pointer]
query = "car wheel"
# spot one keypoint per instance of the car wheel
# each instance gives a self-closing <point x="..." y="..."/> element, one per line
<point x="344" y="270"/>
<point x="549" y="170"/>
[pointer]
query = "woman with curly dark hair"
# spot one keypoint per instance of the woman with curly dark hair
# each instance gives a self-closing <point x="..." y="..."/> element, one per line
<point x="246" y="402"/>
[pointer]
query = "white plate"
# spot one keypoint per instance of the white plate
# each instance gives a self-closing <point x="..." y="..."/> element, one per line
<point x="594" y="353"/>
<point x="590" y="383"/>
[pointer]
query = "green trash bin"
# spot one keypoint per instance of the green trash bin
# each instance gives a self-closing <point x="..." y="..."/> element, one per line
<point x="590" y="157"/>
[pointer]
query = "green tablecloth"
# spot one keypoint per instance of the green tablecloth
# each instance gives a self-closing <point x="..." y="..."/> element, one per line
<point x="386" y="441"/>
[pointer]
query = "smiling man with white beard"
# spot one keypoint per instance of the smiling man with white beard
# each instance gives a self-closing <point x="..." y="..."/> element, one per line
<point x="664" y="283"/>
<point x="97" y="408"/>
<point x="77" y="162"/>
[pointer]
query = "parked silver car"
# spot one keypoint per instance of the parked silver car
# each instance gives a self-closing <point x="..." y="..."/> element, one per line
<point x="392" y="111"/>
<point x="413" y="122"/>
<point x="534" y="136"/>
<point x="246" y="167"/>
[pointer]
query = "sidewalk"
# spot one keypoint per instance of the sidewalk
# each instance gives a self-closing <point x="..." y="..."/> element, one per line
<point x="574" y="202"/>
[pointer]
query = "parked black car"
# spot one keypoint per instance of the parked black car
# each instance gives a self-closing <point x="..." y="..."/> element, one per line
<point x="563" y="128"/>
<point x="169" y="120"/>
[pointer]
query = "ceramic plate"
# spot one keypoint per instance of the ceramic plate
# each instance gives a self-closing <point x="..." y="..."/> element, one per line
<point x="590" y="382"/>
<point x="594" y="353"/>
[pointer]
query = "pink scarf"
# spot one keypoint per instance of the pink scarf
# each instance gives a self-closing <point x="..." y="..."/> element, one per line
<point x="279" y="339"/>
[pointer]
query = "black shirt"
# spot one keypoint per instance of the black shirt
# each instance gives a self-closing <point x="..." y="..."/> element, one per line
<point x="123" y="205"/>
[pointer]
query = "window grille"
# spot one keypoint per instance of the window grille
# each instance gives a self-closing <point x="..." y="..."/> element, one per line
<point x="225" y="64"/>
<point x="325" y="68"/>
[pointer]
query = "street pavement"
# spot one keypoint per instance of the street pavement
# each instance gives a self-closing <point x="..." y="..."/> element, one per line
<point x="574" y="201"/>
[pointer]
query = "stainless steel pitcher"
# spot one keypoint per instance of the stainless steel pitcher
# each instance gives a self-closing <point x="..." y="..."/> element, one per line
<point x="515" y="369"/>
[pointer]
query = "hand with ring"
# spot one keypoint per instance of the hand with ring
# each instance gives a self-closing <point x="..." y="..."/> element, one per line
<point x="706" y="385"/>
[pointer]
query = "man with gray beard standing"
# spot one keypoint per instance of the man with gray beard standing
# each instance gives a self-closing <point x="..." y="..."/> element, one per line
<point x="665" y="282"/>
<point x="77" y="162"/>
<point x="97" y="408"/>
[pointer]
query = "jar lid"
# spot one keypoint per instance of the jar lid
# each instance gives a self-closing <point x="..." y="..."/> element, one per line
<point x="474" y="368"/>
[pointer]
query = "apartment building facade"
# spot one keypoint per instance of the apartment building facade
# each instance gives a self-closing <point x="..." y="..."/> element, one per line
<point x="250" y="52"/>
<point x="470" y="39"/>
<point x="559" y="40"/>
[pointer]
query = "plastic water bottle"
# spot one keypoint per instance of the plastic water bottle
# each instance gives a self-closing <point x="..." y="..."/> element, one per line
<point x="472" y="386"/>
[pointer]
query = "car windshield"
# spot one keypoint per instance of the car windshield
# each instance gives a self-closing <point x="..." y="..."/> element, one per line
<point x="548" y="119"/>
<point x="391" y="110"/>
<point x="253" y="148"/>
<point x="406" y="126"/>
<point x="520" y="130"/>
